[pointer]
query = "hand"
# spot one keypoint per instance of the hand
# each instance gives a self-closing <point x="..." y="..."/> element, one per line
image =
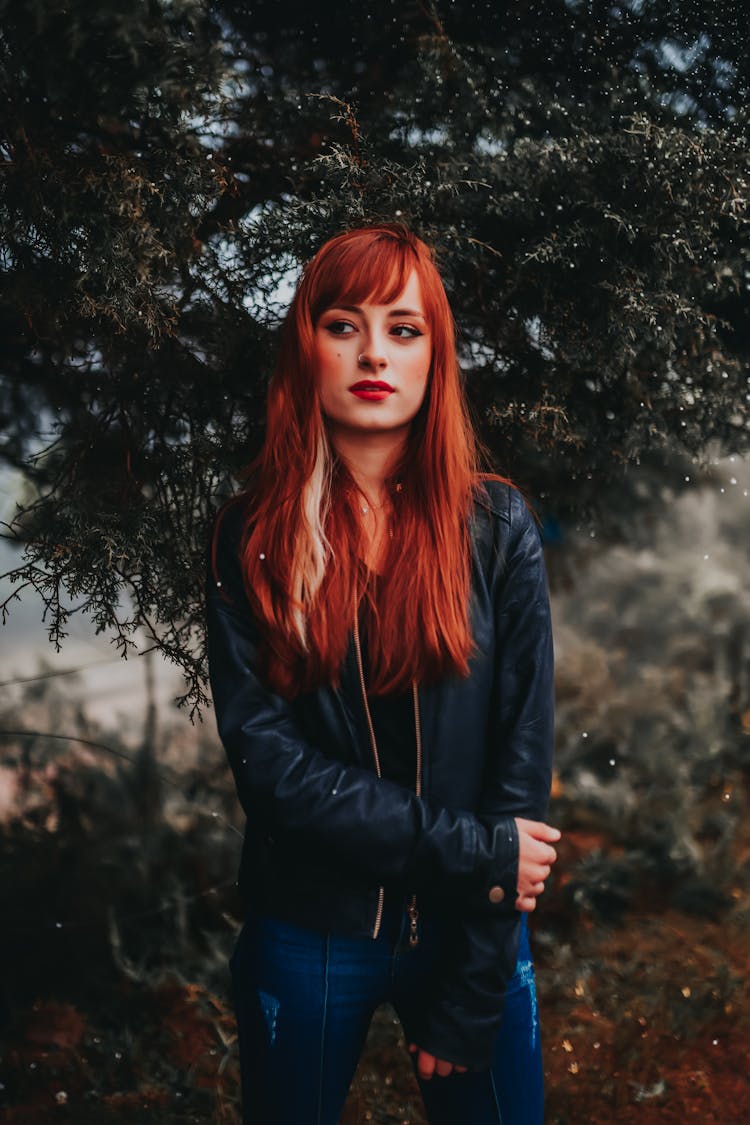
<point x="427" y="1064"/>
<point x="535" y="858"/>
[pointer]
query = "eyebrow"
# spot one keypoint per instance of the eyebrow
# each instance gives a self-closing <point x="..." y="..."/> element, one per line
<point x="394" y="312"/>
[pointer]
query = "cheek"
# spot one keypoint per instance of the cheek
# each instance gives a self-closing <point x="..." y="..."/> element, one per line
<point x="327" y="360"/>
<point x="420" y="368"/>
<point x="328" y="355"/>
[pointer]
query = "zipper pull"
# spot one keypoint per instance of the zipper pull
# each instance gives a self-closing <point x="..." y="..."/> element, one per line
<point x="413" y="916"/>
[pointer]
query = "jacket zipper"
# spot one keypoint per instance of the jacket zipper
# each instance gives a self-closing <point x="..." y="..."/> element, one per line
<point x="412" y="910"/>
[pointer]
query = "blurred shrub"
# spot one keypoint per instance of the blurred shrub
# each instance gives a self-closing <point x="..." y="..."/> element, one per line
<point x="653" y="718"/>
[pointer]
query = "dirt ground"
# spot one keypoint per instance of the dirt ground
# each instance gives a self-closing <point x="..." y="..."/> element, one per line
<point x="645" y="1021"/>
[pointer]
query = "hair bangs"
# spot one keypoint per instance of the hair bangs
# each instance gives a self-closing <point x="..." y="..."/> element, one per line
<point x="372" y="270"/>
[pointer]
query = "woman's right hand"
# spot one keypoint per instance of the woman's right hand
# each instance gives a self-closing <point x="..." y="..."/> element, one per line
<point x="535" y="858"/>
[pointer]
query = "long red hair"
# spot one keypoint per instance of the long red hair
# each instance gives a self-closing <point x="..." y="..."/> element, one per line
<point x="303" y="544"/>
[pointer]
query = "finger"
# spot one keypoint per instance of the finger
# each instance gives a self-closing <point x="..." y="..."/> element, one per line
<point x="541" y="855"/>
<point x="546" y="832"/>
<point x="461" y="1069"/>
<point x="526" y="904"/>
<point x="532" y="873"/>
<point x="538" y="829"/>
<point x="530" y="890"/>
<point x="443" y="1068"/>
<point x="412" y="1048"/>
<point x="540" y="852"/>
<point x="534" y="851"/>
<point x="425" y="1065"/>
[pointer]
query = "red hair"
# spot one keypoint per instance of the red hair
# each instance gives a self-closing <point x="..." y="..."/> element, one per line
<point x="303" y="544"/>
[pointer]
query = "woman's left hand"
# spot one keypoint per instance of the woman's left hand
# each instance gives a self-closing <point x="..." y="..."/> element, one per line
<point x="427" y="1064"/>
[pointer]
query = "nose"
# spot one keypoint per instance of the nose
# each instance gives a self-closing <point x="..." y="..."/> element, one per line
<point x="372" y="357"/>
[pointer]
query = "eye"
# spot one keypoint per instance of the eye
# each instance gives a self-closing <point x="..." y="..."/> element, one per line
<point x="406" y="331"/>
<point x="340" y="327"/>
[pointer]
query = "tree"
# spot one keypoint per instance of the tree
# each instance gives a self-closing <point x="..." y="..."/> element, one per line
<point x="581" y="169"/>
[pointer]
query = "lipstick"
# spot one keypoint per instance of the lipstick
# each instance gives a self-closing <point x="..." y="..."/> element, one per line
<point x="373" y="390"/>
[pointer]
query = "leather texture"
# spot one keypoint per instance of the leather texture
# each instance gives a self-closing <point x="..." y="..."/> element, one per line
<point x="324" y="832"/>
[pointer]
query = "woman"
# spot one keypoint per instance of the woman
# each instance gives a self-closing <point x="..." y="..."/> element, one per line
<point x="380" y="658"/>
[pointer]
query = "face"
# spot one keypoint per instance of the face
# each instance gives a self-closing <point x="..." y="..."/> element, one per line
<point x="372" y="363"/>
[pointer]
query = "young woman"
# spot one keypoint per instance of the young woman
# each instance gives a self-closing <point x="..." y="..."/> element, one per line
<point x="381" y="666"/>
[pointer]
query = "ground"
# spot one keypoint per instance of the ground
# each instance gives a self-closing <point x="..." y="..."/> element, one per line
<point x="643" y="1021"/>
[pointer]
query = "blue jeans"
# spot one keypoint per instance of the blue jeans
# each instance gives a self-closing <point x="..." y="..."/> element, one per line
<point x="304" y="1001"/>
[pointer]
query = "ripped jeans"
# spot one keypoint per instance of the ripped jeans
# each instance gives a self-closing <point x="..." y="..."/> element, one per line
<point x="304" y="1001"/>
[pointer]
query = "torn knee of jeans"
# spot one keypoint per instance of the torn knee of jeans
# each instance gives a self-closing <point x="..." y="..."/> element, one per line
<point x="525" y="973"/>
<point x="269" y="1006"/>
<point x="524" y="978"/>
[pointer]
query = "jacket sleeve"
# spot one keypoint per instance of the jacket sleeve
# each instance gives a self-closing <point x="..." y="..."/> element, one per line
<point x="478" y="957"/>
<point x="289" y="784"/>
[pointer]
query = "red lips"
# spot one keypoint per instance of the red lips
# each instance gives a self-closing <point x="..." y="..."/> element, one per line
<point x="372" y="390"/>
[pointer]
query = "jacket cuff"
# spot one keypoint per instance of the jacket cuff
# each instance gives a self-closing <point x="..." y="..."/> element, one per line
<point x="497" y="889"/>
<point x="461" y="1036"/>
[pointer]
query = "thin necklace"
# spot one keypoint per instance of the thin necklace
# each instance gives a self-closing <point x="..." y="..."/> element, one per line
<point x="365" y="508"/>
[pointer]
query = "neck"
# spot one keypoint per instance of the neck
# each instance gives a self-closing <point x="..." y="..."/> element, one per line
<point x="370" y="458"/>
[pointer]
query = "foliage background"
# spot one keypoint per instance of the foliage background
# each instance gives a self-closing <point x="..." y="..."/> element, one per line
<point x="582" y="169"/>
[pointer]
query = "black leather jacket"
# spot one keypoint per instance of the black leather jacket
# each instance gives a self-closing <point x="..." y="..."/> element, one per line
<point x="325" y="833"/>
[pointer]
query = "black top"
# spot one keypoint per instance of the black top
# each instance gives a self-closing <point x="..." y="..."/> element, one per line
<point x="392" y="720"/>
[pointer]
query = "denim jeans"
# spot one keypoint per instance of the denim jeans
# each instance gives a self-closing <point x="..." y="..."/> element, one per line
<point x="304" y="1001"/>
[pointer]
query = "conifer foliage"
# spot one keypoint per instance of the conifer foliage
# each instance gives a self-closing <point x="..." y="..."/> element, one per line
<point x="166" y="166"/>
